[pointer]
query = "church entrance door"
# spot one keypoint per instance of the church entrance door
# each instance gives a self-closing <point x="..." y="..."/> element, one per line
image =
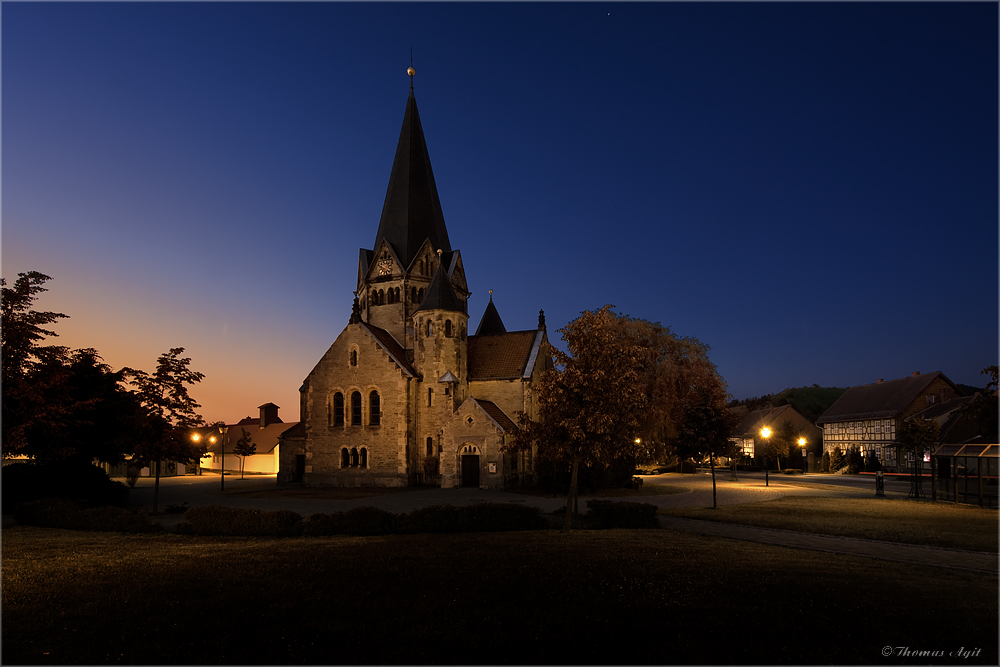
<point x="470" y="470"/>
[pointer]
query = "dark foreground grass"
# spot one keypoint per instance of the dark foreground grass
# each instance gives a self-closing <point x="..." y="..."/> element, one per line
<point x="612" y="597"/>
<point x="925" y="523"/>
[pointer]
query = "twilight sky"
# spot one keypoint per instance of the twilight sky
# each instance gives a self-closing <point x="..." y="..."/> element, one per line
<point x="810" y="189"/>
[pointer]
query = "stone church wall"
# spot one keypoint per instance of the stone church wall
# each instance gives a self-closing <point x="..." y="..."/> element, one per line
<point x="385" y="443"/>
<point x="471" y="427"/>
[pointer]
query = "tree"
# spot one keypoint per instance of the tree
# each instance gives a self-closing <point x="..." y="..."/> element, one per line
<point x="916" y="436"/>
<point x="168" y="413"/>
<point x="618" y="395"/>
<point x="244" y="447"/>
<point x="783" y="442"/>
<point x="706" y="426"/>
<point x="27" y="366"/>
<point x="983" y="408"/>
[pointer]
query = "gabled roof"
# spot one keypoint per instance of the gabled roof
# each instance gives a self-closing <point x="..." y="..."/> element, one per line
<point x="498" y="416"/>
<point x="753" y="421"/>
<point x="491" y="324"/>
<point x="265" y="438"/>
<point x="391" y="347"/>
<point x="412" y="210"/>
<point x="440" y="294"/>
<point x="505" y="356"/>
<point x="881" y="400"/>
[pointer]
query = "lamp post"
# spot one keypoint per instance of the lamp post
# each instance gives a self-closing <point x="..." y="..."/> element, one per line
<point x="222" y="429"/>
<point x="802" y="444"/>
<point x="765" y="433"/>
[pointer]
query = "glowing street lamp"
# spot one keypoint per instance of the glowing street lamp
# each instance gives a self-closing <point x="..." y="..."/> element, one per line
<point x="765" y="433"/>
<point x="802" y="444"/>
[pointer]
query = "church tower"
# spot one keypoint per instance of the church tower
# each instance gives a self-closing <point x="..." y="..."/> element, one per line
<point x="412" y="243"/>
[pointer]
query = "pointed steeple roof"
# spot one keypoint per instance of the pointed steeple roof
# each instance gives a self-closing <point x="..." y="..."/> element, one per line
<point x="440" y="294"/>
<point x="491" y="324"/>
<point x="412" y="210"/>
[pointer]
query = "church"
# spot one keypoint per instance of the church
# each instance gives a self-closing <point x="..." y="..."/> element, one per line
<point x="406" y="395"/>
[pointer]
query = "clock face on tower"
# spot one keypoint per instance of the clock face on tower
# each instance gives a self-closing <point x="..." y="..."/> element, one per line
<point x="384" y="267"/>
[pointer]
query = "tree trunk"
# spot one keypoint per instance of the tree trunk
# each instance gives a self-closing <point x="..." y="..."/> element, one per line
<point x="156" y="488"/>
<point x="711" y="460"/>
<point x="571" y="496"/>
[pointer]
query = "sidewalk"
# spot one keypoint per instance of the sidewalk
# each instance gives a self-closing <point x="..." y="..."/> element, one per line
<point x="956" y="559"/>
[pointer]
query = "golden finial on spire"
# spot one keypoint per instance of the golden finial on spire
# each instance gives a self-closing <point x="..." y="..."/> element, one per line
<point x="491" y="295"/>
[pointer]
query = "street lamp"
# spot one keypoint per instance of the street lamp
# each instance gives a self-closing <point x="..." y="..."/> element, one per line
<point x="765" y="433"/>
<point x="222" y="429"/>
<point x="802" y="444"/>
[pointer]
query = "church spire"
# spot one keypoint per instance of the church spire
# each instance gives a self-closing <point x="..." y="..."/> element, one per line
<point x="412" y="211"/>
<point x="441" y="294"/>
<point x="491" y="324"/>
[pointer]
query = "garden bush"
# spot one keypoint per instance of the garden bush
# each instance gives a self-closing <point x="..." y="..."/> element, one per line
<point x="232" y="521"/>
<point x="357" y="521"/>
<point x="84" y="482"/>
<point x="61" y="513"/>
<point x="480" y="517"/>
<point x="609" y="514"/>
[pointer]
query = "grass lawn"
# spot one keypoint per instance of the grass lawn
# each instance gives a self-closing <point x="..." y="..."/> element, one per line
<point x="611" y="597"/>
<point x="931" y="524"/>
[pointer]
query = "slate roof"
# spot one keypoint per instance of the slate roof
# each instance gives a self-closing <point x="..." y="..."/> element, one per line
<point x="503" y="356"/>
<point x="412" y="211"/>
<point x="491" y="324"/>
<point x="879" y="400"/>
<point x="440" y="294"/>
<point x="391" y="347"/>
<point x="496" y="414"/>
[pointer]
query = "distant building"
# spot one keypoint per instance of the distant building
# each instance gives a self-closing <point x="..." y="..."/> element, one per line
<point x="405" y="395"/>
<point x="867" y="416"/>
<point x="747" y="433"/>
<point x="264" y="431"/>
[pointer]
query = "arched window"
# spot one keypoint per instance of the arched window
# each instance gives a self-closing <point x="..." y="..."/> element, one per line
<point x="420" y="294"/>
<point x="430" y="446"/>
<point x="374" y="409"/>
<point x="354" y="457"/>
<point x="430" y="397"/>
<point x="413" y="294"/>
<point x="381" y="298"/>
<point x="388" y="297"/>
<point x="447" y="328"/>
<point x="397" y="295"/>
<point x="354" y="357"/>
<point x="430" y="328"/>
<point x="356" y="409"/>
<point x="338" y="409"/>
<point x="345" y="459"/>
<point x="364" y="457"/>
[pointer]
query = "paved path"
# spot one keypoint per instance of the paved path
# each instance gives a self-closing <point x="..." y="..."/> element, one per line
<point x="956" y="559"/>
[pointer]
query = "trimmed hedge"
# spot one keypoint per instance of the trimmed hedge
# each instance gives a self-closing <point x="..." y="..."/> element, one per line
<point x="58" y="513"/>
<point x="233" y="521"/>
<point x="480" y="517"/>
<point x="609" y="514"/>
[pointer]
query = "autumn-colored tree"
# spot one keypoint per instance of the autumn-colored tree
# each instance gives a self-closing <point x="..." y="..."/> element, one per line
<point x="917" y="436"/>
<point x="243" y="448"/>
<point x="169" y="412"/>
<point x="983" y="408"/>
<point x="619" y="394"/>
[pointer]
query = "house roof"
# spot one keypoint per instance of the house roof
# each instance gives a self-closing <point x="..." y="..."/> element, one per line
<point x="498" y="416"/>
<point x="412" y="211"/>
<point x="391" y="347"/>
<point x="491" y="324"/>
<point x="265" y="438"/>
<point x="879" y="400"/>
<point x="440" y="294"/>
<point x="506" y="356"/>
<point x="753" y="421"/>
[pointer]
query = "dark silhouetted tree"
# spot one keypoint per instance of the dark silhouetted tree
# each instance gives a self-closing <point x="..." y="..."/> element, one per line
<point x="244" y="447"/>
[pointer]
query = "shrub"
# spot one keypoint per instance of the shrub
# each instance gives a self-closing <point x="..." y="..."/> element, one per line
<point x="855" y="462"/>
<point x="132" y="476"/>
<point x="69" y="479"/>
<point x="176" y="509"/>
<point x="480" y="517"/>
<point x="608" y="514"/>
<point x="321" y="525"/>
<point x="837" y="459"/>
<point x="61" y="513"/>
<point x="872" y="464"/>
<point x="825" y="465"/>
<point x="232" y="521"/>
<point x="369" y="521"/>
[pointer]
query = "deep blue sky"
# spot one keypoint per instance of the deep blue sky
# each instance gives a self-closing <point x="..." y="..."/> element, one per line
<point x="811" y="189"/>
